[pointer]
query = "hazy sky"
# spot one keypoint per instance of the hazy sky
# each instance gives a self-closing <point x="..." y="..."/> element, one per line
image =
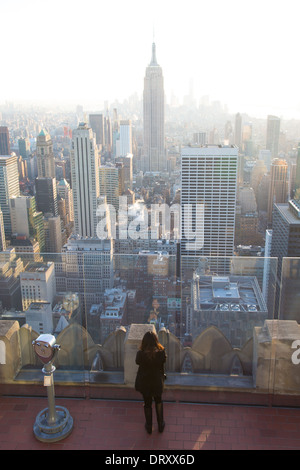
<point x="243" y="53"/>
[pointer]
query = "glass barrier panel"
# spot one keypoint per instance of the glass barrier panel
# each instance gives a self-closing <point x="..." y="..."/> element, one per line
<point x="44" y="293"/>
<point x="286" y="334"/>
<point x="213" y="315"/>
<point x="225" y="304"/>
<point x="137" y="288"/>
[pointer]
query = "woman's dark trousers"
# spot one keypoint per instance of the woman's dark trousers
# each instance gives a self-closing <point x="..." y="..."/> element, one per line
<point x="148" y="412"/>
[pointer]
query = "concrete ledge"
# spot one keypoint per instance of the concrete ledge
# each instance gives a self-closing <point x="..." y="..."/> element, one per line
<point x="242" y="397"/>
<point x="179" y="388"/>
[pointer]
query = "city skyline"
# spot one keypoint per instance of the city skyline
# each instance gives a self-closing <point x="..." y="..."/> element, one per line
<point x="244" y="57"/>
<point x="148" y="191"/>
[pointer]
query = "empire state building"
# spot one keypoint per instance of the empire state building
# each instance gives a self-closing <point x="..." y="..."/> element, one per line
<point x="154" y="153"/>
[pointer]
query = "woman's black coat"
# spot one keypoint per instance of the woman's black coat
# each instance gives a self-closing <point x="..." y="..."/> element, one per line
<point x="151" y="373"/>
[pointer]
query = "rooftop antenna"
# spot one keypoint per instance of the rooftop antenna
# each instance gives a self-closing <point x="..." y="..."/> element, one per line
<point x="153" y="59"/>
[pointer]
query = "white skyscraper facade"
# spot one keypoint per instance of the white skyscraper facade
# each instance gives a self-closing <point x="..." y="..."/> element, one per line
<point x="154" y="153"/>
<point x="9" y="187"/>
<point x="38" y="283"/>
<point x="208" y="200"/>
<point x="124" y="144"/>
<point x="85" y="180"/>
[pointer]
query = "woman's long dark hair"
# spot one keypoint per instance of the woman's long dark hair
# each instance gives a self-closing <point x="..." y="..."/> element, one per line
<point x="150" y="344"/>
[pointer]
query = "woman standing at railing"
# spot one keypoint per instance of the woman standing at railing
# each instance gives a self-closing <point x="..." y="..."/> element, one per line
<point x="151" y="358"/>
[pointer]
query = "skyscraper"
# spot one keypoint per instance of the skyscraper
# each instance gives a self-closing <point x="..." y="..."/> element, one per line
<point x="25" y="220"/>
<point x="38" y="283"/>
<point x="46" y="195"/>
<point x="87" y="268"/>
<point x="124" y="143"/>
<point x="45" y="156"/>
<point x="24" y="147"/>
<point x="4" y="141"/>
<point x="208" y="200"/>
<point x="2" y="233"/>
<point x="53" y="234"/>
<point x="273" y="130"/>
<point x="286" y="244"/>
<point x="238" y="131"/>
<point x="85" y="180"/>
<point x="278" y="189"/>
<point x="97" y="124"/>
<point x="107" y="134"/>
<point x="109" y="184"/>
<point x="65" y="192"/>
<point x="297" y="177"/>
<point x="128" y="170"/>
<point x="154" y="153"/>
<point x="9" y="187"/>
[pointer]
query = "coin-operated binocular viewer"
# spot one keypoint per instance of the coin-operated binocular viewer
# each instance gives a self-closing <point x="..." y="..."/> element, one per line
<point x="55" y="422"/>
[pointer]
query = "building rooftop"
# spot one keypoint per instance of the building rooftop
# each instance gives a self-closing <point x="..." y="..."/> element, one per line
<point x="237" y="292"/>
<point x="38" y="306"/>
<point x="209" y="150"/>
<point x="37" y="267"/>
<point x="223" y="289"/>
<point x="4" y="158"/>
<point x="288" y="213"/>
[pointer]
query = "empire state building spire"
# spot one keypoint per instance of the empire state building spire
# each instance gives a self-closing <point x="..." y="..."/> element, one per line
<point x="153" y="59"/>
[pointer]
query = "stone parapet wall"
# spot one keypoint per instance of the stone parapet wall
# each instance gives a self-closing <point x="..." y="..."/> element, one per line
<point x="270" y="362"/>
<point x="10" y="351"/>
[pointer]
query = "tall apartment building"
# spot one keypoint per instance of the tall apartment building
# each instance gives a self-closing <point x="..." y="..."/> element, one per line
<point x="65" y="208"/>
<point x="2" y="233"/>
<point x="46" y="195"/>
<point x="200" y="138"/>
<point x="208" y="200"/>
<point x="97" y="124"/>
<point x="285" y="246"/>
<point x="24" y="147"/>
<point x="45" y="155"/>
<point x="109" y="184"/>
<point x="265" y="156"/>
<point x="4" y="141"/>
<point x="128" y="169"/>
<point x="285" y="230"/>
<point x="53" y="234"/>
<point x="154" y="152"/>
<point x="272" y="138"/>
<point x="38" y="283"/>
<point x="108" y="134"/>
<point x="11" y="266"/>
<point x="26" y="220"/>
<point x="238" y="131"/>
<point x="86" y="268"/>
<point x="278" y="189"/>
<point x="27" y="248"/>
<point x="297" y="176"/>
<point x="9" y="187"/>
<point x="85" y="180"/>
<point x="124" y="143"/>
<point x="65" y="192"/>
